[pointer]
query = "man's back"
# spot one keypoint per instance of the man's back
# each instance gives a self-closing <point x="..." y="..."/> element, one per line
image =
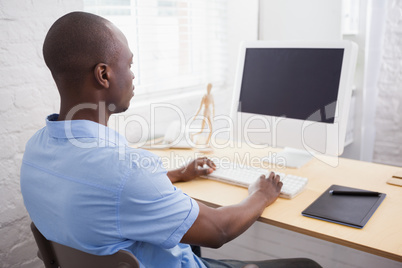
<point x="98" y="196"/>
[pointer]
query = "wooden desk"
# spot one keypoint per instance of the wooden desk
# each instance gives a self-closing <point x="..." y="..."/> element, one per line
<point x="381" y="236"/>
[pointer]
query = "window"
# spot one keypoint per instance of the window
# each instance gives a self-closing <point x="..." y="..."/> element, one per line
<point x="178" y="45"/>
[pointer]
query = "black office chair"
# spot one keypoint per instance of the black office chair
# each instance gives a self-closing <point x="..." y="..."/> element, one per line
<point x="55" y="255"/>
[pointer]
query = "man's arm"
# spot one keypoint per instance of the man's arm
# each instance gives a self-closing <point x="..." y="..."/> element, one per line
<point x="217" y="226"/>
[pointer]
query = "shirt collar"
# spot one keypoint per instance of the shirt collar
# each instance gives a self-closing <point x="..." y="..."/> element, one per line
<point x="76" y="129"/>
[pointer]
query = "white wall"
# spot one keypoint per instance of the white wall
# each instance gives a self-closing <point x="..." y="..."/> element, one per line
<point x="242" y="26"/>
<point x="27" y="95"/>
<point x="300" y="20"/>
<point x="388" y="120"/>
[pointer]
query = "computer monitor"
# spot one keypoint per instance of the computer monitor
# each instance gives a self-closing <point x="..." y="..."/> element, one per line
<point x="295" y="95"/>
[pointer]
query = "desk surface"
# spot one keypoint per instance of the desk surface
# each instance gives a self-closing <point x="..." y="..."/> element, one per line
<point x="381" y="236"/>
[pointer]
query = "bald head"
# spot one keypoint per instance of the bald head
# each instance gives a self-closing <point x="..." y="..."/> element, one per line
<point x="76" y="43"/>
<point x="90" y="61"/>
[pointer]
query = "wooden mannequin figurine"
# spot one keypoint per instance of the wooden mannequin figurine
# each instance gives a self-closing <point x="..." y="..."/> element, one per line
<point x="207" y="101"/>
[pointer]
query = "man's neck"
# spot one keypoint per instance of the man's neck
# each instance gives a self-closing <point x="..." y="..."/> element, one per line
<point x="85" y="111"/>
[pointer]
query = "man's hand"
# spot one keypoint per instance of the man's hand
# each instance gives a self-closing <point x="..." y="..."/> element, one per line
<point x="268" y="187"/>
<point x="193" y="170"/>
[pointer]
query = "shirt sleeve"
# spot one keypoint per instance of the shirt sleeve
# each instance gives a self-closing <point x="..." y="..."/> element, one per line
<point x="151" y="209"/>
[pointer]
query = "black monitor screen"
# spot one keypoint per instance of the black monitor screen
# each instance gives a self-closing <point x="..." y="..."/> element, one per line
<point x="291" y="82"/>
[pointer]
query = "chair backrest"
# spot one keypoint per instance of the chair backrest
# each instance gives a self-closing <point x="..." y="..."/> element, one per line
<point x="55" y="255"/>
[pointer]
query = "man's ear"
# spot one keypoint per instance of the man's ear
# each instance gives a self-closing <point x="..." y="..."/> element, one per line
<point x="102" y="74"/>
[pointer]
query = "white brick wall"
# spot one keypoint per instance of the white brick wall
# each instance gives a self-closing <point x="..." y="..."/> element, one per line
<point x="388" y="122"/>
<point x="27" y="95"/>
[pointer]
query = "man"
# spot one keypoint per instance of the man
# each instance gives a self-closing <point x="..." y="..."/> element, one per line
<point x="85" y="188"/>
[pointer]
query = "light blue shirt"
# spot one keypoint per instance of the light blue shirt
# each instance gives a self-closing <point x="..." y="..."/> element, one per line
<point x="85" y="188"/>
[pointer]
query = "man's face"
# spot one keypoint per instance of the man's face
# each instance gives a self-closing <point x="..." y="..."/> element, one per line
<point x="121" y="84"/>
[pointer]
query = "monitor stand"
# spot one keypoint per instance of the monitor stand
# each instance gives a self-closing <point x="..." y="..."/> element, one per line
<point x="290" y="157"/>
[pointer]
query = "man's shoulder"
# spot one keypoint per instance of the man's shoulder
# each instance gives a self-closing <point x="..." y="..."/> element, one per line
<point x="140" y="158"/>
<point x="35" y="140"/>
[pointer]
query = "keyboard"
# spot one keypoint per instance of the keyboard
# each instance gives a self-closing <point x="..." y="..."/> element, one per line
<point x="245" y="175"/>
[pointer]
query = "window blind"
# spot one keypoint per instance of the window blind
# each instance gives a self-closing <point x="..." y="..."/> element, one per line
<point x="178" y="45"/>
